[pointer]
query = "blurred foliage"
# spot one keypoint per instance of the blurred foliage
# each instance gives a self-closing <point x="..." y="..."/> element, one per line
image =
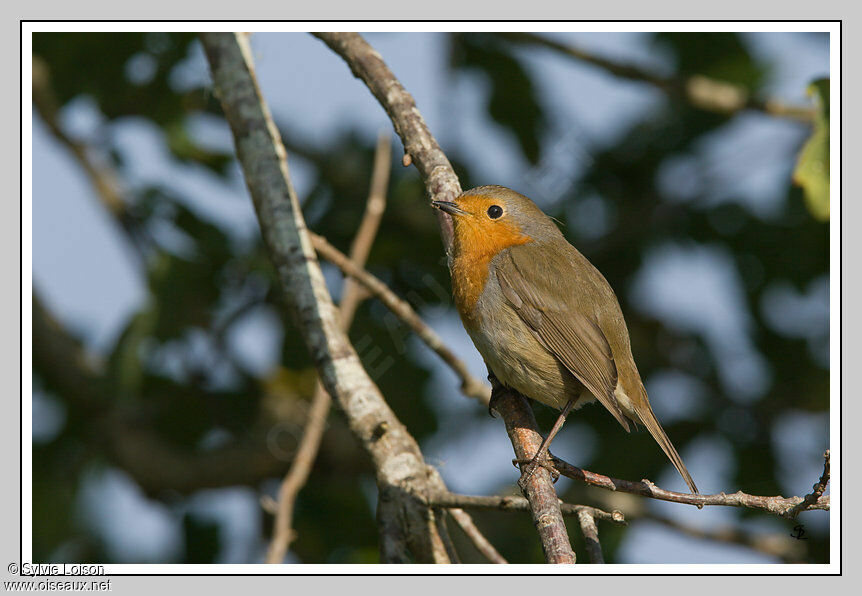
<point x="719" y="55"/>
<point x="172" y="370"/>
<point x="812" y="169"/>
<point x="513" y="100"/>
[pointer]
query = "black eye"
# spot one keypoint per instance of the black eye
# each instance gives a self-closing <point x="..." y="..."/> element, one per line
<point x="495" y="211"/>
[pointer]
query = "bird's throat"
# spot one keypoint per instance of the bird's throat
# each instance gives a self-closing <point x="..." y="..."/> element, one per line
<point x="475" y="246"/>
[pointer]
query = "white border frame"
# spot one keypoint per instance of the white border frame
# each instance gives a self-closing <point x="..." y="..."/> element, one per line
<point x="833" y="28"/>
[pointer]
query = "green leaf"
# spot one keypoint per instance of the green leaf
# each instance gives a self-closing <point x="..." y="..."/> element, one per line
<point x="812" y="167"/>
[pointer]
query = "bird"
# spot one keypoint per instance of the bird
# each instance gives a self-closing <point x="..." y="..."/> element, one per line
<point x="545" y="320"/>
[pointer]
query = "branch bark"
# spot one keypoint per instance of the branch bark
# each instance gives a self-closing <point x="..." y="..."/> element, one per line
<point x="814" y="497"/>
<point x="493" y="503"/>
<point x="397" y="459"/>
<point x="591" y="536"/>
<point x="538" y="487"/>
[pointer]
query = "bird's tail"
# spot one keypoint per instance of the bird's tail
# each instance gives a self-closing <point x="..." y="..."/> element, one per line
<point x="648" y="419"/>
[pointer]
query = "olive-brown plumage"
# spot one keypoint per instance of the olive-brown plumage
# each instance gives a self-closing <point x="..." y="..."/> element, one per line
<point x="544" y="319"/>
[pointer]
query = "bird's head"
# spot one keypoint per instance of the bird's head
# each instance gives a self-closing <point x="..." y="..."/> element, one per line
<point x="488" y="219"/>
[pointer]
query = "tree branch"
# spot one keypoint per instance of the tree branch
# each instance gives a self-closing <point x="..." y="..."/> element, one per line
<point x="309" y="444"/>
<point x="449" y="500"/>
<point x="591" y="536"/>
<point x="814" y="497"/>
<point x="439" y="518"/>
<point x="702" y="92"/>
<point x="538" y="487"/>
<point x="397" y="460"/>
<point x="391" y="529"/>
<point x="379" y="290"/>
<point x="351" y="296"/>
<point x="482" y="544"/>
<point x="780" y="506"/>
<point x="638" y="509"/>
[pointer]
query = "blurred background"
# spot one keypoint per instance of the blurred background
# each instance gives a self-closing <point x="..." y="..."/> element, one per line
<point x="170" y="388"/>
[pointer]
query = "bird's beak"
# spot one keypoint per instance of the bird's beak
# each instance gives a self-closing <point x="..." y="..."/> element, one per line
<point x="449" y="207"/>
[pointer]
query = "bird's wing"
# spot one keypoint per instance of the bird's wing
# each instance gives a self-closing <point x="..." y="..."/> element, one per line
<point x="556" y="302"/>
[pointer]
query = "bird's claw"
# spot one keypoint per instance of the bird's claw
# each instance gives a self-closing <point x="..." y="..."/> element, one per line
<point x="530" y="466"/>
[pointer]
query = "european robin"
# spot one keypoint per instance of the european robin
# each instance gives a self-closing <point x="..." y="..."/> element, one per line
<point x="544" y="319"/>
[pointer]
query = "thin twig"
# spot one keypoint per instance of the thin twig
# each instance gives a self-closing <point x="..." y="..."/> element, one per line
<point x="639" y="509"/>
<point x="782" y="506"/>
<point x="283" y="533"/>
<point x="300" y="469"/>
<point x="700" y="91"/>
<point x="443" y="532"/>
<point x="814" y="496"/>
<point x="511" y="503"/>
<point x="351" y="296"/>
<point x="470" y="385"/>
<point x="482" y="544"/>
<point x="462" y="518"/>
<point x="591" y="536"/>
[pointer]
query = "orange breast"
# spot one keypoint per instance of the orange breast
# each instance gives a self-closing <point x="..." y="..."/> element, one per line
<point x="476" y="244"/>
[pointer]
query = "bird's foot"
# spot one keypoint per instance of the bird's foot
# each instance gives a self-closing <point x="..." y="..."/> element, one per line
<point x="544" y="460"/>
